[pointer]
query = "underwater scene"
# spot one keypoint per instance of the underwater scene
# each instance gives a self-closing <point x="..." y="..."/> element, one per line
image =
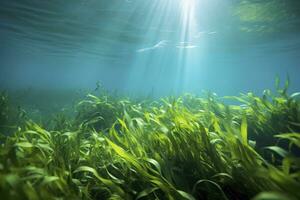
<point x="149" y="99"/>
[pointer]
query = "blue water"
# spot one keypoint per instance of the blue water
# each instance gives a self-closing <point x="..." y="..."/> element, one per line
<point x="160" y="47"/>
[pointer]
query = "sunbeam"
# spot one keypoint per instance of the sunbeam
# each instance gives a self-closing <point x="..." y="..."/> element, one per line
<point x="170" y="39"/>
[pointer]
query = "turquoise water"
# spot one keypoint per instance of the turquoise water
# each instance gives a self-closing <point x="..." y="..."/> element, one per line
<point x="155" y="47"/>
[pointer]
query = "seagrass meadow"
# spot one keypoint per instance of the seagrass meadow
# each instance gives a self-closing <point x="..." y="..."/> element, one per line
<point x="149" y="100"/>
<point x="180" y="148"/>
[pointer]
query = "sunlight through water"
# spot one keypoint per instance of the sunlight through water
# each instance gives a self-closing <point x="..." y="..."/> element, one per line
<point x="187" y="40"/>
<point x="175" y="34"/>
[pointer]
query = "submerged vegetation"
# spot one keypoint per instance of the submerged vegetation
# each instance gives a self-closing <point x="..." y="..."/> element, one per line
<point x="185" y="147"/>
